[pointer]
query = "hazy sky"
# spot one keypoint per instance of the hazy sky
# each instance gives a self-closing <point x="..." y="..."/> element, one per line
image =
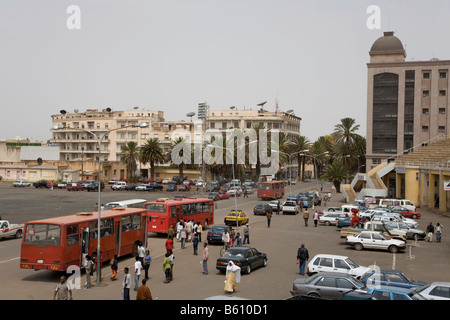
<point x="170" y="55"/>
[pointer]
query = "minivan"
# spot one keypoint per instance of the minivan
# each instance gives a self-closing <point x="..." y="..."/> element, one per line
<point x="396" y="202"/>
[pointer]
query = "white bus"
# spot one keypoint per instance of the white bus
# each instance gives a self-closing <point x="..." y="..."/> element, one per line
<point x="133" y="203"/>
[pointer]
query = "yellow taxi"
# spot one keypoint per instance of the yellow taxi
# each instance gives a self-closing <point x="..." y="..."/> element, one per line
<point x="231" y="218"/>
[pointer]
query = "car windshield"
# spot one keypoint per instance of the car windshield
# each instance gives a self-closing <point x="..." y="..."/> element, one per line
<point x="235" y="253"/>
<point x="217" y="229"/>
<point x="351" y="263"/>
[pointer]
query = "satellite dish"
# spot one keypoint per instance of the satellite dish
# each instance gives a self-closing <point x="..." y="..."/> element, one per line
<point x="290" y="111"/>
<point x="108" y="109"/>
<point x="62" y="111"/>
<point x="190" y="114"/>
<point x="262" y="104"/>
<point x="135" y="108"/>
<point x="39" y="161"/>
<point x="76" y="110"/>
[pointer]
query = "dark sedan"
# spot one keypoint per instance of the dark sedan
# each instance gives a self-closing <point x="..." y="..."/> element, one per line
<point x="392" y="278"/>
<point x="171" y="187"/>
<point x="262" y="208"/>
<point x="215" y="234"/>
<point x="246" y="258"/>
<point x="130" y="187"/>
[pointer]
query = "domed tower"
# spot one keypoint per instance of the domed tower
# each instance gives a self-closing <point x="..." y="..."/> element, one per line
<point x="388" y="48"/>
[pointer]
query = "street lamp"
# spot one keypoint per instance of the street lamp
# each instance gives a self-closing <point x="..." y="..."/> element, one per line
<point x="99" y="140"/>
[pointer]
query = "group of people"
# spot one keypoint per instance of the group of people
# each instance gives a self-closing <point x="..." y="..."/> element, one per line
<point x="431" y="229"/>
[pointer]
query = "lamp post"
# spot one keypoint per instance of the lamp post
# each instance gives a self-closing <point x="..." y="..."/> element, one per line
<point x="99" y="140"/>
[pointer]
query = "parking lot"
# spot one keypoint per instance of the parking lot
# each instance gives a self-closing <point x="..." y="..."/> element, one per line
<point x="426" y="261"/>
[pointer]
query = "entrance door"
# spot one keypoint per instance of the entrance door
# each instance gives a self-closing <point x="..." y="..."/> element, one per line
<point x="84" y="245"/>
<point x="118" y="229"/>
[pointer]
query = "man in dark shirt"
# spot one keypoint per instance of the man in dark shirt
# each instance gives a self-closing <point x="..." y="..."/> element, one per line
<point x="302" y="257"/>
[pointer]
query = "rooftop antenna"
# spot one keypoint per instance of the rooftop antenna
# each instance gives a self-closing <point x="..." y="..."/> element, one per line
<point x="276" y="104"/>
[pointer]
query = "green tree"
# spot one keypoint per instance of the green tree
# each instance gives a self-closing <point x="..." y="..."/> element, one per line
<point x="182" y="145"/>
<point x="346" y="131"/>
<point x="299" y="146"/>
<point x="130" y="155"/>
<point x="151" y="152"/>
<point x="335" y="173"/>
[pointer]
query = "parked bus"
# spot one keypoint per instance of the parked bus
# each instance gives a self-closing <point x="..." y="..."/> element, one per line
<point x="270" y="189"/>
<point x="133" y="203"/>
<point x="57" y="243"/>
<point x="165" y="213"/>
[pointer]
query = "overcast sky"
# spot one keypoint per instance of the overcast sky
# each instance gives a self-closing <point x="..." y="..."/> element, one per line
<point x="170" y="55"/>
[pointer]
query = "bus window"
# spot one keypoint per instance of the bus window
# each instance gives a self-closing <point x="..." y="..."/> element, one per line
<point x="43" y="234"/>
<point x="155" y="207"/>
<point x="72" y="235"/>
<point x="264" y="186"/>
<point x="135" y="222"/>
<point x="126" y="223"/>
<point x="174" y="211"/>
<point x="106" y="228"/>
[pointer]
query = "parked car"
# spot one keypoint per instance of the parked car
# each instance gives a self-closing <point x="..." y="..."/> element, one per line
<point x="119" y="185"/>
<point x="171" y="187"/>
<point x="215" y="234"/>
<point x="50" y="185"/>
<point x="235" y="191"/>
<point x="214" y="196"/>
<point x="74" y="187"/>
<point x="21" y="183"/>
<point x="335" y="263"/>
<point x="411" y="233"/>
<point x="407" y="213"/>
<point x="435" y="291"/>
<point x="387" y="217"/>
<point x="63" y="184"/>
<point x="330" y="285"/>
<point x="40" y="184"/>
<point x="184" y="187"/>
<point x="224" y="195"/>
<point x="375" y="240"/>
<point x="240" y="216"/>
<point x="343" y="223"/>
<point x="153" y="186"/>
<point x="141" y="187"/>
<point x="274" y="204"/>
<point x="262" y="208"/>
<point x="290" y="207"/>
<point x="113" y="181"/>
<point x="10" y="230"/>
<point x="331" y="218"/>
<point x="247" y="258"/>
<point x="395" y="293"/>
<point x="332" y="209"/>
<point x="130" y="187"/>
<point x="94" y="186"/>
<point x="388" y="277"/>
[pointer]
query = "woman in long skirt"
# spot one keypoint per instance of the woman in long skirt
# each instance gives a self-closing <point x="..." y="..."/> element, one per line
<point x="233" y="277"/>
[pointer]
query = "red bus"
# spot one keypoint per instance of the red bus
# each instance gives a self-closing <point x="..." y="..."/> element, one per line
<point x="271" y="189"/>
<point x="57" y="243"/>
<point x="165" y="213"/>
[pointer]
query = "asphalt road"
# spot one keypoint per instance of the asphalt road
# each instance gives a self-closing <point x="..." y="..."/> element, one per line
<point x="427" y="262"/>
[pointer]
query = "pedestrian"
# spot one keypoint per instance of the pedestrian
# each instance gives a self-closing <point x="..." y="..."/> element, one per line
<point x="166" y="267"/>
<point x="199" y="231"/>
<point x="172" y="258"/>
<point x="301" y="205"/>
<point x="126" y="284"/>
<point x="114" y="268"/>
<point x="232" y="236"/>
<point x="302" y="258"/>
<point x="245" y="193"/>
<point x="169" y="244"/>
<point x="183" y="236"/>
<point x="226" y="239"/>
<point x="137" y="272"/>
<point x="238" y="240"/>
<point x="430" y="232"/>
<point x="195" y="243"/>
<point x="89" y="270"/>
<point x="143" y="292"/>
<point x="438" y="232"/>
<point x="205" y="258"/>
<point x="62" y="290"/>
<point x="278" y="207"/>
<point x="147" y="261"/>
<point x="325" y="198"/>
<point x="189" y="230"/>
<point x="179" y="227"/>
<point x="233" y="277"/>
<point x="269" y="217"/>
<point x="246" y="234"/>
<point x="306" y="216"/>
<point x="316" y="218"/>
<point x="170" y="233"/>
<point x="141" y="252"/>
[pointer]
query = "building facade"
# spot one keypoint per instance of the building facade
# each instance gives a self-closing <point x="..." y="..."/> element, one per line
<point x="407" y="101"/>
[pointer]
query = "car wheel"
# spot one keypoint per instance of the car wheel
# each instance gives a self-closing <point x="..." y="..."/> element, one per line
<point x="359" y="246"/>
<point x="393" y="249"/>
<point x="18" y="234"/>
<point x="414" y="216"/>
<point x="248" y="269"/>
<point x="313" y="294"/>
<point x="327" y="223"/>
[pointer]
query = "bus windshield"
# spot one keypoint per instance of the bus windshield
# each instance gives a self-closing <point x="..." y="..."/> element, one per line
<point x="43" y="234"/>
<point x="264" y="186"/>
<point x="156" y="207"/>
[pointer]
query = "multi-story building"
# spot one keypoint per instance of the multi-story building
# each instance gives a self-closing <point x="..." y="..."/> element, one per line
<point x="407" y="101"/>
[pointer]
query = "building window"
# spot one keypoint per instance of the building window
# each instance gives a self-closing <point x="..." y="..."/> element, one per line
<point x="213" y="125"/>
<point x="425" y="111"/>
<point x="441" y="110"/>
<point x="441" y="129"/>
<point x="376" y="161"/>
<point x="442" y="74"/>
<point x="224" y="125"/>
<point x="424" y="128"/>
<point x="426" y="75"/>
<point x="442" y="93"/>
<point x="426" y="93"/>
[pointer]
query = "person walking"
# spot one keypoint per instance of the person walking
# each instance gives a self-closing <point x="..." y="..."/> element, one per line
<point x="430" y="232"/>
<point x="199" y="231"/>
<point x="141" y="252"/>
<point x="114" y="268"/>
<point x="171" y="234"/>
<point x="126" y="284"/>
<point x="306" y="216"/>
<point x="233" y="277"/>
<point x="167" y="267"/>
<point x="302" y="258"/>
<point x="183" y="236"/>
<point x="169" y="244"/>
<point x="245" y="193"/>
<point x="147" y="261"/>
<point x="195" y="243"/>
<point x="137" y="272"/>
<point x="238" y="240"/>
<point x="143" y="292"/>
<point x="89" y="269"/>
<point x="172" y="258"/>
<point x="316" y="218"/>
<point x="246" y="234"/>
<point x="278" y="207"/>
<point x="438" y="229"/>
<point x="62" y="290"/>
<point x="269" y="218"/>
<point x="205" y="258"/>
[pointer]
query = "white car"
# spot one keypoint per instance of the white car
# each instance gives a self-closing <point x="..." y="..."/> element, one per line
<point x="274" y="204"/>
<point x="234" y="191"/>
<point x="142" y="187"/>
<point x="435" y="291"/>
<point x="21" y="183"/>
<point x="331" y="218"/>
<point x="120" y="185"/>
<point x="375" y="240"/>
<point x="290" y="207"/>
<point x="335" y="263"/>
<point x="395" y="218"/>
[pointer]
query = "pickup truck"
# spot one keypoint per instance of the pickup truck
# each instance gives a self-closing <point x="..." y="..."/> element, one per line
<point x="10" y="230"/>
<point x="21" y="183"/>
<point x="62" y="184"/>
<point x="374" y="226"/>
<point x="74" y="187"/>
<point x="290" y="207"/>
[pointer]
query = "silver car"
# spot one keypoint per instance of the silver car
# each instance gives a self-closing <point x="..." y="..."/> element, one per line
<point x="411" y="233"/>
<point x="327" y="285"/>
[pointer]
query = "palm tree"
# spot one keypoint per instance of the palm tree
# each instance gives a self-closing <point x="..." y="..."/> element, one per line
<point x="130" y="155"/>
<point x="299" y="145"/>
<point x="346" y="131"/>
<point x="151" y="152"/>
<point x="180" y="144"/>
<point x="320" y="152"/>
<point x="335" y="173"/>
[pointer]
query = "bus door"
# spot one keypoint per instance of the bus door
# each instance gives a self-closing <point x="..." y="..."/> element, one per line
<point x="118" y="230"/>
<point x="84" y="245"/>
<point x="144" y="228"/>
<point x="211" y="213"/>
